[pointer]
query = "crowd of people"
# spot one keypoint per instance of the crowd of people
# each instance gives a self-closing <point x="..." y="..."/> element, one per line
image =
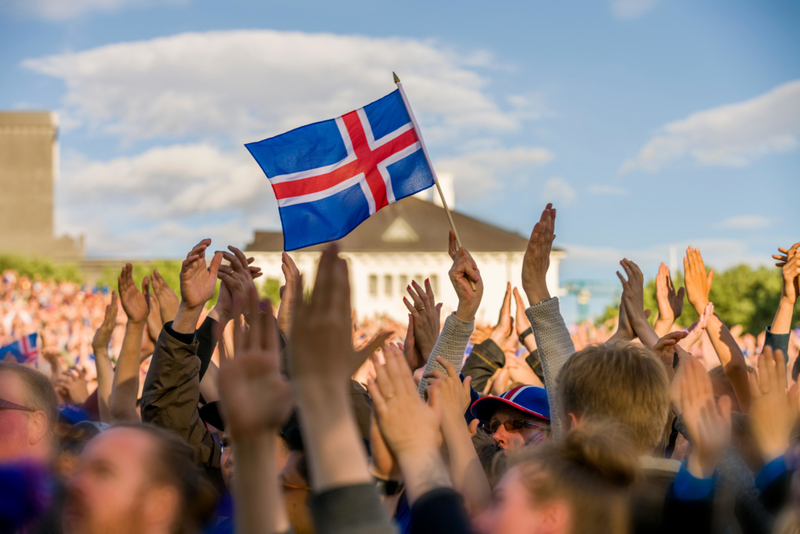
<point x="151" y="412"/>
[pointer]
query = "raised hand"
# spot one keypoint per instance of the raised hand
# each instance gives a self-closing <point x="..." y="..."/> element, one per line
<point x="670" y="303"/>
<point x="463" y="273"/>
<point x="695" y="332"/>
<point x="237" y="286"/>
<point x="708" y="422"/>
<point x="73" y="387"/>
<point x="198" y="282"/>
<point x="409" y="426"/>
<point x="454" y="394"/>
<point x="773" y="412"/>
<point x="135" y="303"/>
<point x="154" y="324"/>
<point x="665" y="350"/>
<point x="410" y="351"/>
<point x="102" y="337"/>
<point x="537" y="257"/>
<point x="168" y="300"/>
<point x="521" y="322"/>
<point x="425" y="317"/>
<point x="789" y="262"/>
<point x="505" y="325"/>
<point x="633" y="298"/>
<point x="256" y="398"/>
<point x="291" y="275"/>
<point x="697" y="281"/>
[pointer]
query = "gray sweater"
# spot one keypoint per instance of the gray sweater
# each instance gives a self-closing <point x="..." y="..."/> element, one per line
<point x="451" y="345"/>
<point x="555" y="347"/>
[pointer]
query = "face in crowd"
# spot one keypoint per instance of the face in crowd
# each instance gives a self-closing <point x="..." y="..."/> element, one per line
<point x="27" y="414"/>
<point x="513" y="429"/>
<point x="116" y="492"/>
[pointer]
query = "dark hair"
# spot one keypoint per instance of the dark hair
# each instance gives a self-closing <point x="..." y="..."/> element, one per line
<point x="174" y="466"/>
<point x="39" y="392"/>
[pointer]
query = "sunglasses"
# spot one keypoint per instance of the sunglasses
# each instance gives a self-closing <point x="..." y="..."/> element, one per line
<point x="8" y="405"/>
<point x="513" y="425"/>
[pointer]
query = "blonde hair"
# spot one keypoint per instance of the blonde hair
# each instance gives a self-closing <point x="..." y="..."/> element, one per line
<point x="625" y="383"/>
<point x="592" y="469"/>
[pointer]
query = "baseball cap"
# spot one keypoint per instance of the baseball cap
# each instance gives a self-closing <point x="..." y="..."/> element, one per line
<point x="529" y="399"/>
<point x="71" y="414"/>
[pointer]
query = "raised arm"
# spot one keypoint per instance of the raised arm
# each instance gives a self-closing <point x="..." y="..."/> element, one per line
<point x="552" y="337"/>
<point x="105" y="371"/>
<point x="452" y="342"/>
<point x="698" y="286"/>
<point x="122" y="403"/>
<point x="469" y="478"/>
<point x="171" y="389"/>
<point x="633" y="298"/>
<point x="670" y="303"/>
<point x="779" y="331"/>
<point x="257" y="401"/>
<point x="322" y="359"/>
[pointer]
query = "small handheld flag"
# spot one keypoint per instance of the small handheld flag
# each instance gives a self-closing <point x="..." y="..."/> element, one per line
<point x="330" y="176"/>
<point x="24" y="351"/>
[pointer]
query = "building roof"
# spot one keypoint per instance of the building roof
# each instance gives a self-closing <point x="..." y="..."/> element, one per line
<point x="410" y="225"/>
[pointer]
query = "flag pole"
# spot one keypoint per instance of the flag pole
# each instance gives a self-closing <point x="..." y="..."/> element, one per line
<point x="430" y="165"/>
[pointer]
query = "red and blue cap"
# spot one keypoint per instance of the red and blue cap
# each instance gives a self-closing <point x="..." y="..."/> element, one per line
<point x="529" y="399"/>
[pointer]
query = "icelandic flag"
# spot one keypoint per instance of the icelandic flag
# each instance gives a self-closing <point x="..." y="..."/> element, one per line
<point x="330" y="176"/>
<point x="25" y="350"/>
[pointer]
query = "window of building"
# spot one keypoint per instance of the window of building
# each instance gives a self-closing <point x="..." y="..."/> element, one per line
<point x="403" y="283"/>
<point x="373" y="285"/>
<point x="435" y="284"/>
<point x="387" y="284"/>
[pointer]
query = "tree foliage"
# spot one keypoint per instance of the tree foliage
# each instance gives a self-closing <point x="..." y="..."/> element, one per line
<point x="741" y="295"/>
<point x="40" y="268"/>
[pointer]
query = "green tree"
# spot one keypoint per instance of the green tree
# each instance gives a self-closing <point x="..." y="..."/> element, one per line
<point x="40" y="268"/>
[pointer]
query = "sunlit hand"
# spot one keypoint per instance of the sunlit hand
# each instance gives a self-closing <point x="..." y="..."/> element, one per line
<point x="521" y="321"/>
<point x="708" y="422"/>
<point x="789" y="262"/>
<point x="455" y="394"/>
<point x="135" y="303"/>
<point x="463" y="270"/>
<point x="537" y="257"/>
<point x="425" y="317"/>
<point x="695" y="332"/>
<point x="773" y="413"/>
<point x="102" y="337"/>
<point x="665" y="350"/>
<point x="168" y="300"/>
<point x="505" y="325"/>
<point x="291" y="276"/>
<point x="670" y="303"/>
<point x="198" y="282"/>
<point x="697" y="281"/>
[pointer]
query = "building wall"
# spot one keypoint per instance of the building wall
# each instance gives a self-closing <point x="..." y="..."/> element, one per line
<point x="28" y="166"/>
<point x="378" y="280"/>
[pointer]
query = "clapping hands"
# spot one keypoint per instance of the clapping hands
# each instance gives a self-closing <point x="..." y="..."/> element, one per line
<point x="463" y="274"/>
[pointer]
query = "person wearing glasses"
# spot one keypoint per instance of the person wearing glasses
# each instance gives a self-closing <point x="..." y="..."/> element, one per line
<point x="28" y="414"/>
<point x="516" y="418"/>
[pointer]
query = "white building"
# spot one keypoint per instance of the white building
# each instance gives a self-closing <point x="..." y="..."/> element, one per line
<point x="407" y="241"/>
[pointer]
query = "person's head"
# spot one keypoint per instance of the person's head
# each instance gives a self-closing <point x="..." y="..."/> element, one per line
<point x="137" y="478"/>
<point x="623" y="383"/>
<point x="28" y="414"/>
<point x="516" y="418"/>
<point x="72" y="443"/>
<point x="579" y="485"/>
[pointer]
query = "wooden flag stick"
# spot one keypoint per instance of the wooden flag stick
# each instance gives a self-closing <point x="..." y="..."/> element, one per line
<point x="430" y="164"/>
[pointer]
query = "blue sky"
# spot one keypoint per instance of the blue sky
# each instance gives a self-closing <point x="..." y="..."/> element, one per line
<point x="647" y="122"/>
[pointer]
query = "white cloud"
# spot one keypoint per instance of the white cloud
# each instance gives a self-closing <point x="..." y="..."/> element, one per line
<point x="744" y="222"/>
<point x="250" y="84"/>
<point x="67" y="9"/>
<point x="606" y="190"/>
<point x="482" y="170"/>
<point x="631" y="9"/>
<point x="151" y="203"/>
<point x="733" y="135"/>
<point x="560" y="192"/>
